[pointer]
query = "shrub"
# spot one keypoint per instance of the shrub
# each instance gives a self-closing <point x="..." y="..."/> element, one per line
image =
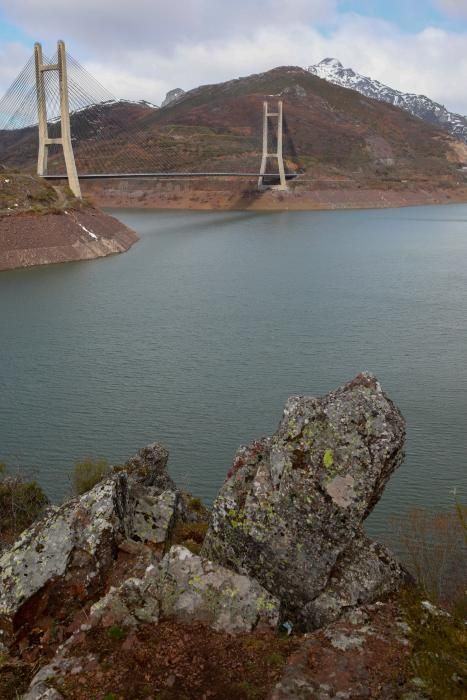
<point x="190" y="535"/>
<point x="87" y="474"/>
<point x="116" y="633"/>
<point x="196" y="504"/>
<point x="438" y="659"/>
<point x="435" y="549"/>
<point x="22" y="501"/>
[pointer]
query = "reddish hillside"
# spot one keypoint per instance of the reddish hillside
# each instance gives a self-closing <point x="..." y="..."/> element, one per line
<point x="331" y="132"/>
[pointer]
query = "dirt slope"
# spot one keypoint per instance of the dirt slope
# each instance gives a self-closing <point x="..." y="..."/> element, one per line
<point x="40" y="224"/>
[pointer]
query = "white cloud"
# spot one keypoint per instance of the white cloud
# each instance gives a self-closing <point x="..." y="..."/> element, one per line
<point x="13" y="58"/>
<point x="179" y="50"/>
<point x="432" y="62"/>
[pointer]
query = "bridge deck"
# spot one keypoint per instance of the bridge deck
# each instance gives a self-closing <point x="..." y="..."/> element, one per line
<point x="100" y="176"/>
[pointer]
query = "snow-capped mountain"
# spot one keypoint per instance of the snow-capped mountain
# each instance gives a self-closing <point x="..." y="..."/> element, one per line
<point x="333" y="71"/>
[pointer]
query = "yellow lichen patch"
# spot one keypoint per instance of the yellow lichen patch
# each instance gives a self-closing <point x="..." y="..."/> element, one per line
<point x="328" y="458"/>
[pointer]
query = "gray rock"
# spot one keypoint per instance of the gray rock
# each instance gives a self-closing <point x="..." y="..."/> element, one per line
<point x="189" y="588"/>
<point x="41" y="691"/>
<point x="292" y="505"/>
<point x="154" y="516"/>
<point x="132" y="603"/>
<point x="173" y="96"/>
<point x="365" y="572"/>
<point x="193" y="588"/>
<point x="149" y="468"/>
<point x="63" y="559"/>
<point x="59" y="667"/>
<point x="75" y="541"/>
<point x="295" y="90"/>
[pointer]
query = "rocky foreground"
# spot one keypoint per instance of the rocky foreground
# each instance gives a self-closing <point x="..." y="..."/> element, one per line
<point x="134" y="590"/>
<point x="41" y="224"/>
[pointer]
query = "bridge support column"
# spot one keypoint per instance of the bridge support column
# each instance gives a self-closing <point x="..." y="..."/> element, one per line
<point x="278" y="155"/>
<point x="65" y="130"/>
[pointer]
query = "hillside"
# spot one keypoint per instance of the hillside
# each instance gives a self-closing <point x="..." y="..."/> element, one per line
<point x="331" y="132"/>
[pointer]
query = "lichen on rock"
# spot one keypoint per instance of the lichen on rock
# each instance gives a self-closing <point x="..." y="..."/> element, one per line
<point x="191" y="589"/>
<point x="64" y="558"/>
<point x="292" y="506"/>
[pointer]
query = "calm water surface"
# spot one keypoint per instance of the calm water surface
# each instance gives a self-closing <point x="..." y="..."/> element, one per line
<point x="197" y="336"/>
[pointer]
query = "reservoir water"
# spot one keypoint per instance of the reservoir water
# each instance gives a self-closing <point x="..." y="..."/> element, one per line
<point x="198" y="334"/>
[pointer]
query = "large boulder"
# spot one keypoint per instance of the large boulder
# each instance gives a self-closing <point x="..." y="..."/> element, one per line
<point x="291" y="510"/>
<point x="70" y="548"/>
<point x="191" y="589"/>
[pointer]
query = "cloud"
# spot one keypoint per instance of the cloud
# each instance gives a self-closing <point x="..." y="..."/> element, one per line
<point x="431" y="62"/>
<point x="454" y="8"/>
<point x="158" y="24"/>
<point x="143" y="54"/>
<point x="13" y="58"/>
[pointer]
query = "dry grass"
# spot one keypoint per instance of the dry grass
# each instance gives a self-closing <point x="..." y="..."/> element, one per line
<point x="87" y="474"/>
<point x="436" y="552"/>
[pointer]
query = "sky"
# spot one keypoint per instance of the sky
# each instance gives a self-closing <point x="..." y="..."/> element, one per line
<point x="140" y="49"/>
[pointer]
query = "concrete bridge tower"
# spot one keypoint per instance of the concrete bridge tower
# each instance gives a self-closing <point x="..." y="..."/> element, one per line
<point x="65" y="131"/>
<point x="267" y="115"/>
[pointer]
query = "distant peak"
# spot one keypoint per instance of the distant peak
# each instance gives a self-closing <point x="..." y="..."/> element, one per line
<point x="331" y="62"/>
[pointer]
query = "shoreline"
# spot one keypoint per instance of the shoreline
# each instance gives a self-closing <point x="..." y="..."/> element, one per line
<point x="31" y="239"/>
<point x="226" y="195"/>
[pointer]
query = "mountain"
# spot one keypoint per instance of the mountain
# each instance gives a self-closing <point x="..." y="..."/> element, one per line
<point x="330" y="133"/>
<point x="333" y="71"/>
<point x="172" y="95"/>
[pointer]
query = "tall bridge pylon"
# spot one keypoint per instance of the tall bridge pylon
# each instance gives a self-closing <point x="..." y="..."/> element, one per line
<point x="277" y="154"/>
<point x="64" y="139"/>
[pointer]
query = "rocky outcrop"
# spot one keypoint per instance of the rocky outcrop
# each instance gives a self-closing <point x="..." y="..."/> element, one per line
<point x="63" y="559"/>
<point x="172" y="96"/>
<point x="69" y="549"/>
<point x="290" y="513"/>
<point x="99" y="595"/>
<point x="359" y="656"/>
<point x="155" y="496"/>
<point x="191" y="589"/>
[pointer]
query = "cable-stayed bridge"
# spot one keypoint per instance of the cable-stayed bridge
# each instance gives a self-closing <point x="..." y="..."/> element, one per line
<point x="56" y="119"/>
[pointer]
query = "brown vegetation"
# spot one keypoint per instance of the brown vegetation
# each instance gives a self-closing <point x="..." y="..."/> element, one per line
<point x="435" y="546"/>
<point x="23" y="194"/>
<point x="331" y="133"/>
<point x="173" y="661"/>
<point x="22" y="501"/>
<point x="87" y="474"/>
